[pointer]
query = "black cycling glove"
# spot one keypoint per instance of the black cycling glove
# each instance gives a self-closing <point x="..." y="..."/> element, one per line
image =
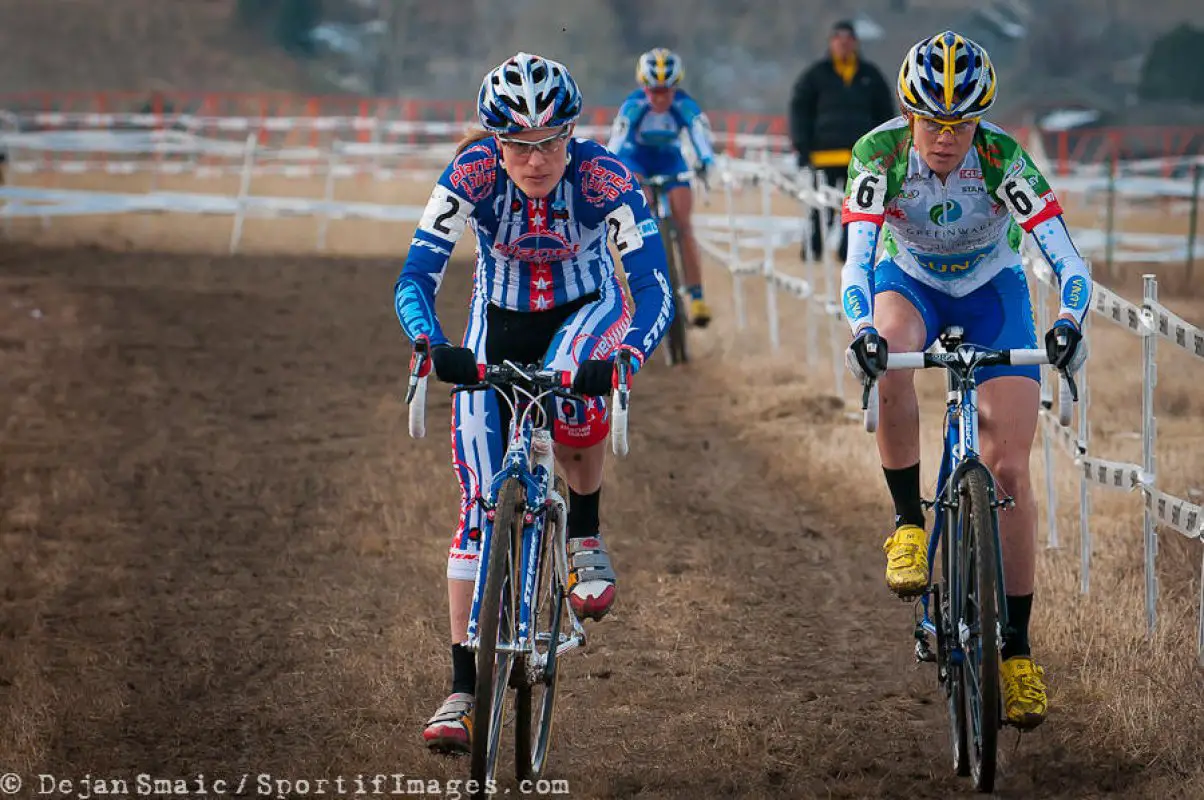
<point x="456" y="365"/>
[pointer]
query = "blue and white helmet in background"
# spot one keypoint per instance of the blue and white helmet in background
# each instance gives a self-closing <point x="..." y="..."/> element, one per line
<point x="659" y="68"/>
<point x="528" y="91"/>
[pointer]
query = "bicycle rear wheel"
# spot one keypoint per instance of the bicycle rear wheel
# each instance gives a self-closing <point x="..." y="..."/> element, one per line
<point x="676" y="352"/>
<point x="535" y="699"/>
<point x="498" y="608"/>
<point x="978" y="623"/>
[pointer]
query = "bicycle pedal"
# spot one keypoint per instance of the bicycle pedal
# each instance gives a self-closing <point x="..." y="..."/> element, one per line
<point x="1005" y="503"/>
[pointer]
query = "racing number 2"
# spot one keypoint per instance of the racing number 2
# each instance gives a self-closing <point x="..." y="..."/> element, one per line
<point x="616" y="228"/>
<point x="453" y="208"/>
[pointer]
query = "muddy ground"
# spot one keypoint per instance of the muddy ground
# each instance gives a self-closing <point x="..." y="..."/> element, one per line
<point x="222" y="554"/>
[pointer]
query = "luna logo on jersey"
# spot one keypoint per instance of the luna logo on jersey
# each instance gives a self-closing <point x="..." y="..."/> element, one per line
<point x="604" y="179"/>
<point x="855" y="304"/>
<point x="474" y="173"/>
<point x="1074" y="296"/>
<point x="542" y="247"/>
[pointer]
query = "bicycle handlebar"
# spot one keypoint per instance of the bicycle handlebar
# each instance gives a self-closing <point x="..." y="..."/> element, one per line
<point x="661" y="180"/>
<point x="964" y="358"/>
<point x="532" y="377"/>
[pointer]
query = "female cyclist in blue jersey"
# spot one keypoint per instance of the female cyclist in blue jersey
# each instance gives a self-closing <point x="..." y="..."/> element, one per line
<point x="955" y="195"/>
<point x="646" y="134"/>
<point x="542" y="204"/>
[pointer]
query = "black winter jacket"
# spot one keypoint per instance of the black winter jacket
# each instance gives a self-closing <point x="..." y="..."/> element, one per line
<point x="828" y="116"/>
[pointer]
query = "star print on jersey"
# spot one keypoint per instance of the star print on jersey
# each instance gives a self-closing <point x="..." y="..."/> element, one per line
<point x="535" y="254"/>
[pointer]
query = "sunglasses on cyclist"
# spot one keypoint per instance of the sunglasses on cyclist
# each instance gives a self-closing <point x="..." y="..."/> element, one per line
<point x="938" y="126"/>
<point x="524" y="148"/>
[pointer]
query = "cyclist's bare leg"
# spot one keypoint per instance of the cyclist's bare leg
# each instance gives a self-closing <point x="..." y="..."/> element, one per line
<point x="681" y="205"/>
<point x="900" y="324"/>
<point x="591" y="575"/>
<point x="459" y="600"/>
<point x="1008" y="411"/>
<point x="582" y="466"/>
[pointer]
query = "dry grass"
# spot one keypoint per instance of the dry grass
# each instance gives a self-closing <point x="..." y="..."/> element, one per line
<point x="221" y="542"/>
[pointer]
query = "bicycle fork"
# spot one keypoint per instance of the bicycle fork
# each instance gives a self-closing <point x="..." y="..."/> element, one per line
<point x="545" y="465"/>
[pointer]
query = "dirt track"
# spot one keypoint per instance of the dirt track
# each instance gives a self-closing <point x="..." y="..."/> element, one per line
<point x="222" y="553"/>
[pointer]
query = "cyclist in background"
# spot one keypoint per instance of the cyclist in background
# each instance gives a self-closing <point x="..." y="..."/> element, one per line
<point x="646" y="134"/>
<point x="541" y="204"/>
<point x="956" y="194"/>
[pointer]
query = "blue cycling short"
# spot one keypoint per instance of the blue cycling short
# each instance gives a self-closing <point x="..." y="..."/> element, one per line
<point x="998" y="315"/>
<point x="649" y="161"/>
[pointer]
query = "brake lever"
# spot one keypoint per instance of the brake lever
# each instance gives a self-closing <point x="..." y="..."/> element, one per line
<point x="623" y="374"/>
<point x="417" y="361"/>
<point x="1074" y="390"/>
<point x="866" y="387"/>
<point x="567" y="394"/>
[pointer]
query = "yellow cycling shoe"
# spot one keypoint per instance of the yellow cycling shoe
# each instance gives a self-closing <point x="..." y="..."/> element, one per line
<point x="1024" y="700"/>
<point x="700" y="312"/>
<point x="907" y="561"/>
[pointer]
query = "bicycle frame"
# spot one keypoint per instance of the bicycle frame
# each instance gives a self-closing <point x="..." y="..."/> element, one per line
<point x="676" y="337"/>
<point x="960" y="453"/>
<point x="529" y="458"/>
<point x="660" y="197"/>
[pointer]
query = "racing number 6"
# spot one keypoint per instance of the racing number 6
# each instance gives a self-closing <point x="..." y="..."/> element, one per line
<point x="865" y="193"/>
<point x="1019" y="197"/>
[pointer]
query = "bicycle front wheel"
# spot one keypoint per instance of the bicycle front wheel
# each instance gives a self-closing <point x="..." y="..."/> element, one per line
<point x="677" y="329"/>
<point x="949" y="654"/>
<point x="497" y="623"/>
<point x="535" y="699"/>
<point x="977" y="626"/>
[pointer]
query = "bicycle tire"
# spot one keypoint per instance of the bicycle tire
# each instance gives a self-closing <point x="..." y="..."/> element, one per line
<point x="497" y="597"/>
<point x="532" y="743"/>
<point x="977" y="513"/>
<point x="946" y="641"/>
<point x="676" y="352"/>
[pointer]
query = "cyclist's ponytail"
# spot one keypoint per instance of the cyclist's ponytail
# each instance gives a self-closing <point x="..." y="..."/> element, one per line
<point x="471" y="137"/>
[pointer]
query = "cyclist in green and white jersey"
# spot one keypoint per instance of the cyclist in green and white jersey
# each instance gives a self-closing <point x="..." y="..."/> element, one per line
<point x="955" y="196"/>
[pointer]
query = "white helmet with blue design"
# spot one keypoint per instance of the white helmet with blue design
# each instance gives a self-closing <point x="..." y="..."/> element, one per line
<point x="947" y="76"/>
<point x="528" y="91"/>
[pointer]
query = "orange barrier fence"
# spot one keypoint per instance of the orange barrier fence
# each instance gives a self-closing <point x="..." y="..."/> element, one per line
<point x="1085" y="146"/>
<point x="459" y="113"/>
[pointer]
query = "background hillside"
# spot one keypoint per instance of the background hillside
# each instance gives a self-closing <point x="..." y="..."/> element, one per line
<point x="90" y="45"/>
<point x="741" y="55"/>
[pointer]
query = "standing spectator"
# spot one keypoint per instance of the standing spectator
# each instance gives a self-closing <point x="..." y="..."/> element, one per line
<point x="835" y="102"/>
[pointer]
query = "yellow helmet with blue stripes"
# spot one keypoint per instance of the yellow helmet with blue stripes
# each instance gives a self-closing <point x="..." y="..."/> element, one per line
<point x="947" y="76"/>
<point x="659" y="67"/>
